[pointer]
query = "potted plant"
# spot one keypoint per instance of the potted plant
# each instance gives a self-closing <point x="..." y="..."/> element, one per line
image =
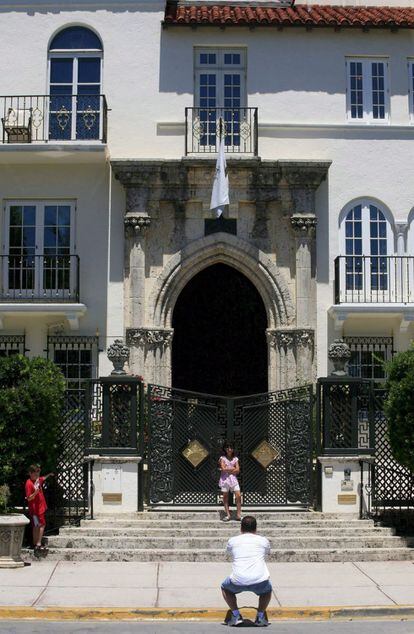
<point x="12" y="527"/>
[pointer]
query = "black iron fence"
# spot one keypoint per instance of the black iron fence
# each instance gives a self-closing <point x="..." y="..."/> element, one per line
<point x="39" y="278"/>
<point x="362" y="279"/>
<point x="205" y="126"/>
<point x="42" y="118"/>
<point x="345" y="414"/>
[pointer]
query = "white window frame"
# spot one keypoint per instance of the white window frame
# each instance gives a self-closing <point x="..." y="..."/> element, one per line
<point x="75" y="55"/>
<point x="39" y="234"/>
<point x="410" y="68"/>
<point x="367" y="101"/>
<point x="220" y="68"/>
<point x="351" y="294"/>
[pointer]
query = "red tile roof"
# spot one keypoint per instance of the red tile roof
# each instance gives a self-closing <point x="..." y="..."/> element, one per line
<point x="297" y="15"/>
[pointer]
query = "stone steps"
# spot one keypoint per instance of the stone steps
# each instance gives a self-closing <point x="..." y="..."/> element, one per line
<point x="215" y="524"/>
<point x="227" y="530"/>
<point x="157" y="516"/>
<point x="201" y="536"/>
<point x="209" y="555"/>
<point x="181" y="543"/>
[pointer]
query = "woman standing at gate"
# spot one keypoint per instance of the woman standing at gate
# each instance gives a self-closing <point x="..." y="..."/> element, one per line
<point x="229" y="468"/>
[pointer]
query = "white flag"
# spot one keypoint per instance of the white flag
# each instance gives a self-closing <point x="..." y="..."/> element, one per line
<point x="220" y="193"/>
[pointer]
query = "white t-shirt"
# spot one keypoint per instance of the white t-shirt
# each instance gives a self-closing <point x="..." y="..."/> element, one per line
<point x="248" y="552"/>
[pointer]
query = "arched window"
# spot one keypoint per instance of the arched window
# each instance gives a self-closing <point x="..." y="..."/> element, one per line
<point x="368" y="244"/>
<point x="75" y="75"/>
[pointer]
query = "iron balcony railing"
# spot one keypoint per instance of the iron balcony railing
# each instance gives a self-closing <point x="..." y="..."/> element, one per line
<point x="39" y="278"/>
<point x="375" y="279"/>
<point x="204" y="127"/>
<point x="43" y="118"/>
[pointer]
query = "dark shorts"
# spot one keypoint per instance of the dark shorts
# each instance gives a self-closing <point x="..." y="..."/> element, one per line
<point x="38" y="520"/>
<point x="264" y="587"/>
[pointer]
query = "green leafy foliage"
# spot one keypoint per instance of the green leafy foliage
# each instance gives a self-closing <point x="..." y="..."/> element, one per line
<point x="4" y="498"/>
<point x="399" y="407"/>
<point x="31" y="400"/>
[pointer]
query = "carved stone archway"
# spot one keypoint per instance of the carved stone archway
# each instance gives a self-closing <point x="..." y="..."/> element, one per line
<point x="151" y="346"/>
<point x="273" y="211"/>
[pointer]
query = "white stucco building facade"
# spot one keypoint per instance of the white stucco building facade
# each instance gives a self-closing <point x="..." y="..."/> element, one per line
<point x="323" y="172"/>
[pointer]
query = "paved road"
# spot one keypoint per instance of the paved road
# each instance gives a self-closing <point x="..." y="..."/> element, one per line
<point x="355" y="627"/>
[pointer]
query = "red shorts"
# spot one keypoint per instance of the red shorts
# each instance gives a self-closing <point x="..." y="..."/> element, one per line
<point x="38" y="520"/>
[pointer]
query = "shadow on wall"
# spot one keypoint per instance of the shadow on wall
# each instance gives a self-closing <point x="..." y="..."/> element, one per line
<point x="299" y="60"/>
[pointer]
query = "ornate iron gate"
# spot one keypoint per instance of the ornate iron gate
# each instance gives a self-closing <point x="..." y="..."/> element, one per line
<point x="272" y="433"/>
<point x="67" y="493"/>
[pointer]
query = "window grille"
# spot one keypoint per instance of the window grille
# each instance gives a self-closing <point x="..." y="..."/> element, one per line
<point x="12" y="344"/>
<point x="76" y="356"/>
<point x="369" y="356"/>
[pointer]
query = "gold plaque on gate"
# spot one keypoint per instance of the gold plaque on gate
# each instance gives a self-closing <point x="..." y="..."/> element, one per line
<point x="265" y="454"/>
<point x="195" y="453"/>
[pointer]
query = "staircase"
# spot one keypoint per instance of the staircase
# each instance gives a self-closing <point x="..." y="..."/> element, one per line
<point x="201" y="536"/>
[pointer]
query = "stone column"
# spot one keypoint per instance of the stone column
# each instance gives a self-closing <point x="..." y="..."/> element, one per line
<point x="403" y="273"/>
<point x="136" y="226"/>
<point x="304" y="226"/>
<point x="401" y="227"/>
<point x="152" y="346"/>
<point x="135" y="229"/>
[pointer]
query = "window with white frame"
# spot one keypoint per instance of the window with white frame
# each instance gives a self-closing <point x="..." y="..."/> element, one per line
<point x="75" y="76"/>
<point x="220" y="92"/>
<point x="367" y="90"/>
<point x="368" y="241"/>
<point x="410" y="65"/>
<point x="38" y="249"/>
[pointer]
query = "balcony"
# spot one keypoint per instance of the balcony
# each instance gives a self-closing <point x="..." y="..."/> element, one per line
<point x="380" y="279"/>
<point x="203" y="127"/>
<point x="39" y="278"/>
<point x="31" y="119"/>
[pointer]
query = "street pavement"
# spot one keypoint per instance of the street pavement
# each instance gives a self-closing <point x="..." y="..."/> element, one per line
<point x="68" y="584"/>
<point x="355" y="627"/>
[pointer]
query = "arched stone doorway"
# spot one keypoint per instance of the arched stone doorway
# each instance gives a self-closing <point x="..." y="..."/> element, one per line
<point x="219" y="345"/>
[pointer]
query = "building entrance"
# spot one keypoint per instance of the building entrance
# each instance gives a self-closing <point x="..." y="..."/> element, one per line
<point x="219" y="345"/>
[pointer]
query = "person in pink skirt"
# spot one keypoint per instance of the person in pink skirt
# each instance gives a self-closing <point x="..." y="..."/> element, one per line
<point x="229" y="470"/>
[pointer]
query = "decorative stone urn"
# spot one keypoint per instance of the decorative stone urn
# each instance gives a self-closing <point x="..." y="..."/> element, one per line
<point x="11" y="538"/>
<point x="118" y="354"/>
<point x="339" y="353"/>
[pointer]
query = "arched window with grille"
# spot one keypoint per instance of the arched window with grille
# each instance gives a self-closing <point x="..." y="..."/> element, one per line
<point x="368" y="272"/>
<point x="75" y="85"/>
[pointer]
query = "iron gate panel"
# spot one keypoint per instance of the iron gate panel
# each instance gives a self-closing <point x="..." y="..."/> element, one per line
<point x="67" y="493"/>
<point x="279" y="421"/>
<point x="176" y="418"/>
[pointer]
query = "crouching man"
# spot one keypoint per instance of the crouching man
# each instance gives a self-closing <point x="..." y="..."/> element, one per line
<point x="249" y="573"/>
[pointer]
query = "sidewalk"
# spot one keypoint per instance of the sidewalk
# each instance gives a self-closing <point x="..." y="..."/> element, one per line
<point x="191" y="587"/>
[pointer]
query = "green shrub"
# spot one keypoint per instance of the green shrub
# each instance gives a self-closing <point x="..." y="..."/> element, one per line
<point x="399" y="407"/>
<point x="4" y="498"/>
<point x="31" y="400"/>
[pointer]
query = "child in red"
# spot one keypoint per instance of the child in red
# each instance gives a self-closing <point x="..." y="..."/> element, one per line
<point x="37" y="506"/>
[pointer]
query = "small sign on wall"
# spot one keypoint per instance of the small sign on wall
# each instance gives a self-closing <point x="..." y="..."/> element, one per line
<point x="347" y="498"/>
<point x="111" y="479"/>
